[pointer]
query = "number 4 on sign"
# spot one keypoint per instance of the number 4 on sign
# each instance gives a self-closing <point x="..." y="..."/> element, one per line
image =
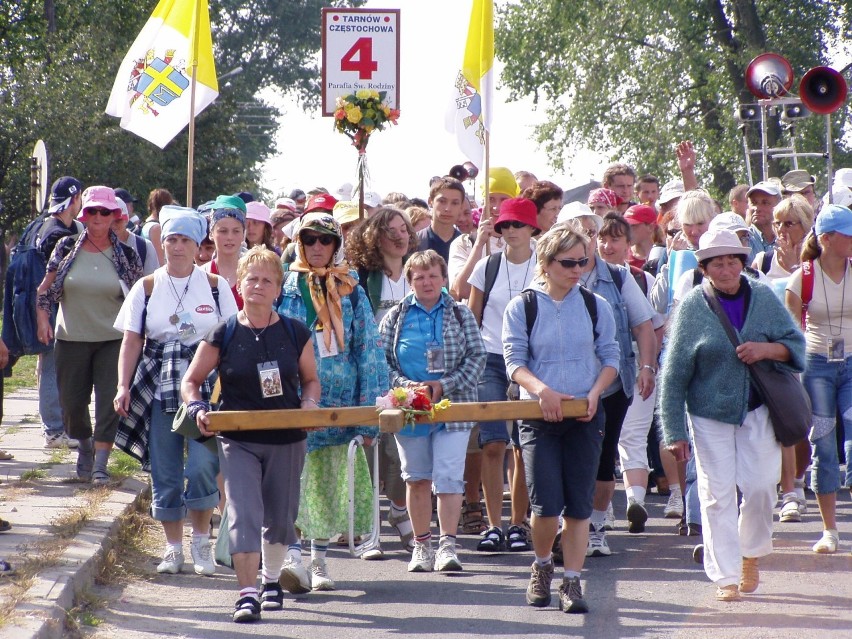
<point x="364" y="65"/>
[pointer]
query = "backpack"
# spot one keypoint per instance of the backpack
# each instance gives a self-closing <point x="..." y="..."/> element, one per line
<point x="639" y="275"/>
<point x="141" y="247"/>
<point x="148" y="287"/>
<point x="531" y="309"/>
<point x="25" y="272"/>
<point x="766" y="262"/>
<point x="807" y="288"/>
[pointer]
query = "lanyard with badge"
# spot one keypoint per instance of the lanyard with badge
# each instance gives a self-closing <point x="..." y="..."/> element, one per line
<point x="836" y="345"/>
<point x="269" y="375"/>
<point x="434" y="349"/>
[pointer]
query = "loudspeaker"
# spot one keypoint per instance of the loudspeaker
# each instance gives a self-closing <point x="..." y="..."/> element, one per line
<point x="462" y="172"/>
<point x="823" y="90"/>
<point x="769" y="75"/>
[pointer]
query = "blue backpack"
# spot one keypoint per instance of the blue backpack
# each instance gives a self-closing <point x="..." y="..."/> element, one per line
<point x="25" y="272"/>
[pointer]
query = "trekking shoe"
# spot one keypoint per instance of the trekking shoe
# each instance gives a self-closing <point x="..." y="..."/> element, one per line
<point x="789" y="509"/>
<point x="750" y="579"/>
<point x="407" y="539"/>
<point x="319" y="576"/>
<point x="598" y="546"/>
<point x="492" y="540"/>
<point x="571" y="597"/>
<point x="674" y="506"/>
<point x="636" y="516"/>
<point x="728" y="593"/>
<point x="828" y="543"/>
<point x="423" y="558"/>
<point x="202" y="557"/>
<point x="446" y="559"/>
<point x="517" y="539"/>
<point x="538" y="590"/>
<point x="172" y="562"/>
<point x="694" y="530"/>
<point x="271" y="596"/>
<point x="59" y="440"/>
<point x="294" y="578"/>
<point x="247" y="610"/>
<point x="698" y="554"/>
<point x="609" y="518"/>
<point x="373" y="553"/>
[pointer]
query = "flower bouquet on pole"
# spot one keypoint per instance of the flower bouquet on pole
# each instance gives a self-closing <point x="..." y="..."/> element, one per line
<point x="357" y="116"/>
<point x="415" y="404"/>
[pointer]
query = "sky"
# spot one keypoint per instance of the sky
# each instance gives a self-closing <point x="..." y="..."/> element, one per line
<point x="402" y="158"/>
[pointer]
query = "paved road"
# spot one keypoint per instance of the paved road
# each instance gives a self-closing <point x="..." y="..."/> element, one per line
<point x="649" y="587"/>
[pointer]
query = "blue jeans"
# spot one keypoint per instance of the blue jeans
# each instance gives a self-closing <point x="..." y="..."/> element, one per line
<point x="829" y="385"/>
<point x="169" y="499"/>
<point x="48" y="394"/>
<point x="492" y="387"/>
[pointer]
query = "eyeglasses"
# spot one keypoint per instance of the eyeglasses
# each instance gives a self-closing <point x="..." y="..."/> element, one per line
<point x="569" y="263"/>
<point x="672" y="232"/>
<point x="787" y="224"/>
<point x="99" y="211"/>
<point x="310" y="240"/>
<point x="515" y="224"/>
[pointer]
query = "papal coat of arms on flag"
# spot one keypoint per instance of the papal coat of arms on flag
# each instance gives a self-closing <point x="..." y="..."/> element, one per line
<point x="156" y="81"/>
<point x="470" y="101"/>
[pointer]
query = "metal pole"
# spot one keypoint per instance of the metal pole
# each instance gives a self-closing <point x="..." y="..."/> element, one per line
<point x="190" y="155"/>
<point x="829" y="156"/>
<point x="763" y="141"/>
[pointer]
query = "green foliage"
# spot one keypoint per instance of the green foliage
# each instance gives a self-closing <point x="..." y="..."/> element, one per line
<point x="54" y="85"/>
<point x="631" y="78"/>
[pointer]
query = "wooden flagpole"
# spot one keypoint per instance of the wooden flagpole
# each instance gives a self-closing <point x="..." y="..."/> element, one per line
<point x="486" y="192"/>
<point x="190" y="155"/>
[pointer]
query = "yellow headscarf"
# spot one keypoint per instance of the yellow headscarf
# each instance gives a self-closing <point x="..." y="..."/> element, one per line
<point x="338" y="281"/>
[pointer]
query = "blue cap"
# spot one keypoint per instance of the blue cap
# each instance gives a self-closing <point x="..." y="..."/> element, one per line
<point x="62" y="191"/>
<point x="181" y="220"/>
<point x="834" y="218"/>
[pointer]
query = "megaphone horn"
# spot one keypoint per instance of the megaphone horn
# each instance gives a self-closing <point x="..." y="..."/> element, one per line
<point x="459" y="172"/>
<point x="823" y="90"/>
<point x="769" y="75"/>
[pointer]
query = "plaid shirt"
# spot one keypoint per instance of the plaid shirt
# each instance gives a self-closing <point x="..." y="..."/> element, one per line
<point x="159" y="366"/>
<point x="464" y="352"/>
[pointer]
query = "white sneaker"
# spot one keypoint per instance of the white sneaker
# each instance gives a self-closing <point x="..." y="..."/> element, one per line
<point x="828" y="543"/>
<point x="422" y="559"/>
<point x="294" y="578"/>
<point x="373" y="553"/>
<point x="598" y="546"/>
<point x="674" y="506"/>
<point x="446" y="559"/>
<point x="319" y="576"/>
<point x="609" y="518"/>
<point x="202" y="557"/>
<point x="172" y="562"/>
<point x="789" y="509"/>
<point x="59" y="440"/>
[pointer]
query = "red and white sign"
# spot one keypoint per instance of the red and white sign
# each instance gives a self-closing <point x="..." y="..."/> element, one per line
<point x="360" y="50"/>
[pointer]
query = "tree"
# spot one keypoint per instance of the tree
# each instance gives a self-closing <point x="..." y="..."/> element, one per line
<point x="58" y="62"/>
<point x="631" y="78"/>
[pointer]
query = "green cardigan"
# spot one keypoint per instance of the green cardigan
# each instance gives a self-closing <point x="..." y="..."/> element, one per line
<point x="702" y="373"/>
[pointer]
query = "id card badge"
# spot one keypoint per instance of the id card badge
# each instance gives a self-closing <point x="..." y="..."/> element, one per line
<point x="435" y="359"/>
<point x="836" y="349"/>
<point x="186" y="328"/>
<point x="270" y="379"/>
<point x="326" y="351"/>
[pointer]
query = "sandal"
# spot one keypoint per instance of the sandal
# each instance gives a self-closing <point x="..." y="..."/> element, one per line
<point x="5" y="525"/>
<point x="472" y="522"/>
<point x="492" y="540"/>
<point x="517" y="539"/>
<point x="5" y="455"/>
<point x="6" y="569"/>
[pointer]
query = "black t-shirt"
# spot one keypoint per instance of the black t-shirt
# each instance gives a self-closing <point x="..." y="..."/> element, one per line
<point x="430" y="240"/>
<point x="241" y="379"/>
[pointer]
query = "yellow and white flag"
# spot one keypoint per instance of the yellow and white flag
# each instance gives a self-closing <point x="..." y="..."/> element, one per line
<point x="151" y="93"/>
<point x="469" y="113"/>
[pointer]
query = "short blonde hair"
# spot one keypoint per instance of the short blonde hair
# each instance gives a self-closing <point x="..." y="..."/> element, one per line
<point x="263" y="257"/>
<point x="424" y="260"/>
<point x="696" y="207"/>
<point x="417" y="214"/>
<point x="560" y="238"/>
<point x="796" y="207"/>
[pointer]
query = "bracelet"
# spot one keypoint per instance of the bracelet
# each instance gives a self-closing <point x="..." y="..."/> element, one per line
<point x="196" y="406"/>
<point x="649" y="367"/>
<point x="312" y="400"/>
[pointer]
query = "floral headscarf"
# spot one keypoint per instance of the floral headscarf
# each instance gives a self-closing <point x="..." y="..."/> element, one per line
<point x="604" y="196"/>
<point x="338" y="281"/>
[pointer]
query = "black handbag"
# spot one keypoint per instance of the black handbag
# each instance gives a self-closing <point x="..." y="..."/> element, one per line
<point x="784" y="395"/>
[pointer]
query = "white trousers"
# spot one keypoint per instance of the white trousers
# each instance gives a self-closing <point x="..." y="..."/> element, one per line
<point x="633" y="441"/>
<point x="728" y="457"/>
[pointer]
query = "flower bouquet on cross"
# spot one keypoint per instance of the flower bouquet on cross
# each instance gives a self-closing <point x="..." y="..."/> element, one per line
<point x="413" y="401"/>
<point x="357" y="116"/>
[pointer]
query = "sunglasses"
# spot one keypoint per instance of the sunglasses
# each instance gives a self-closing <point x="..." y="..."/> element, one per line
<point x="103" y="212"/>
<point x="787" y="224"/>
<point x="569" y="263"/>
<point x="325" y="240"/>
<point x="515" y="224"/>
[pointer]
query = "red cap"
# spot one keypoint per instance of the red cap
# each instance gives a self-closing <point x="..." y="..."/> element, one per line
<point x="640" y="214"/>
<point x="320" y="202"/>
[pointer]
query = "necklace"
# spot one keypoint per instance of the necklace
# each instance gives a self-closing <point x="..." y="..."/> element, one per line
<point x="523" y="281"/>
<point x="106" y="257"/>
<point x="842" y="302"/>
<point x="394" y="298"/>
<point x="253" y="328"/>
<point x="174" y="318"/>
